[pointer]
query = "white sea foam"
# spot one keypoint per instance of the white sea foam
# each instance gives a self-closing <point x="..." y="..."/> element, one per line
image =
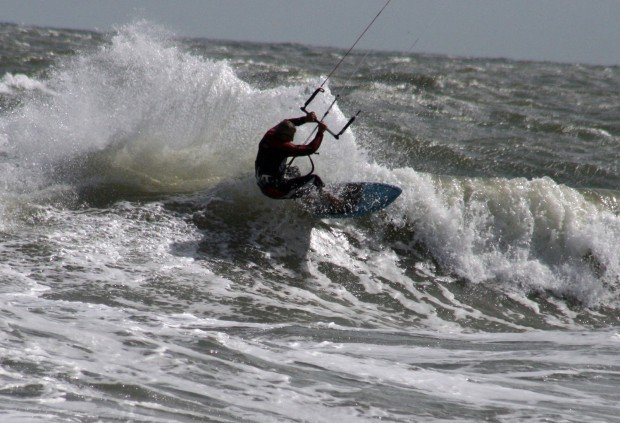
<point x="536" y="234"/>
<point x="13" y="83"/>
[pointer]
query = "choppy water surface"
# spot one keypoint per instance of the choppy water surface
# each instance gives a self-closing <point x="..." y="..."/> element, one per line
<point x="145" y="278"/>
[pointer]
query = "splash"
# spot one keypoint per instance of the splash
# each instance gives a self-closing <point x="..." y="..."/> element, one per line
<point x="141" y="111"/>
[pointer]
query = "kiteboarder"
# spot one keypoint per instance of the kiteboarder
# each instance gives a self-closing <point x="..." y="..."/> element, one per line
<point x="273" y="151"/>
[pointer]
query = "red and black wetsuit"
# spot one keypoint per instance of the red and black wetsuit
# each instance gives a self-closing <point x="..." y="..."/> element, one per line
<point x="271" y="164"/>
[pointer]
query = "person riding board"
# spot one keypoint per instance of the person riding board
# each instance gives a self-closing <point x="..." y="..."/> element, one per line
<point x="274" y="149"/>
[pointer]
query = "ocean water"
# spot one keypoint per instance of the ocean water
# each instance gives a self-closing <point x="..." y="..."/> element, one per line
<point x="144" y="277"/>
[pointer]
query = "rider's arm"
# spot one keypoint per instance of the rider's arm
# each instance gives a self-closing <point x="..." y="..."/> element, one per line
<point x="299" y="121"/>
<point x="303" y="150"/>
<point x="310" y="117"/>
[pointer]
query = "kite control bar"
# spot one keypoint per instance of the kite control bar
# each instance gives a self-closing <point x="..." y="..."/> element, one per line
<point x="344" y="128"/>
<point x="334" y="134"/>
<point x="318" y="90"/>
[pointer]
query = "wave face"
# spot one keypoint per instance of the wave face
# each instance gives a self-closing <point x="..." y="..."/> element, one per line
<point x="131" y="227"/>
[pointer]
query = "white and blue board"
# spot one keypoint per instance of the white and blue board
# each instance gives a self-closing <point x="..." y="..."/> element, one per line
<point x="356" y="199"/>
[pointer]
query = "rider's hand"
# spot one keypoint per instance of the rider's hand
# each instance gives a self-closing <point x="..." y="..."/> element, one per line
<point x="311" y="117"/>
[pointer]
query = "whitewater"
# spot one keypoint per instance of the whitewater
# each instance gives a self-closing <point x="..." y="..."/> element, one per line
<point x="146" y="278"/>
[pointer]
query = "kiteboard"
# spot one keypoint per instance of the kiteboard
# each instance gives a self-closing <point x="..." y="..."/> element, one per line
<point x="353" y="199"/>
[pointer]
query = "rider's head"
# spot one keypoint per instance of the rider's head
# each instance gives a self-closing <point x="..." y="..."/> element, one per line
<point x="285" y="130"/>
